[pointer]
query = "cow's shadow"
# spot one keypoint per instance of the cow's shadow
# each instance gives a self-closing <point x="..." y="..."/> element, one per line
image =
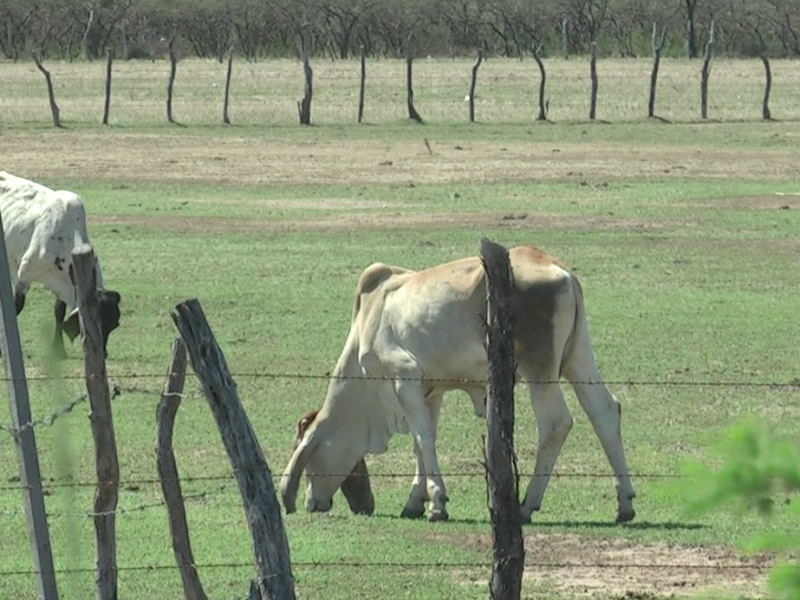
<point x="639" y="526"/>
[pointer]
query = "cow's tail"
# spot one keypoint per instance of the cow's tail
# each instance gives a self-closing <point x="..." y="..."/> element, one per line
<point x="290" y="482"/>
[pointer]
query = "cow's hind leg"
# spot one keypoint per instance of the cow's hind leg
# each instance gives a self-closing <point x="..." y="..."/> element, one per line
<point x="422" y="419"/>
<point x="554" y="423"/>
<point x="604" y="412"/>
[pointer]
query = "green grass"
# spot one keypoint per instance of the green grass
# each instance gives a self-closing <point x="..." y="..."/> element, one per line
<point x="689" y="277"/>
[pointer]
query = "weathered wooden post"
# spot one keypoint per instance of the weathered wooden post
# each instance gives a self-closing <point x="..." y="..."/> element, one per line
<point x="25" y="440"/>
<point x="304" y="105"/>
<point x="173" y="67"/>
<point x="50" y="94"/>
<point x="168" y="472"/>
<point x="225" y="118"/>
<point x="107" y="104"/>
<point x="270" y="547"/>
<point x="501" y="479"/>
<point x="705" y="71"/>
<point x="410" y="47"/>
<point x="658" y="46"/>
<point x="105" y="447"/>
<point x="472" y="83"/>
<point x="542" y="102"/>
<point x="362" y="58"/>
<point x="593" y="75"/>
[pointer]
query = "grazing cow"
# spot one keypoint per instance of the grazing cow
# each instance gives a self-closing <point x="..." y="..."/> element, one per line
<point x="356" y="487"/>
<point x="41" y="228"/>
<point x="416" y="335"/>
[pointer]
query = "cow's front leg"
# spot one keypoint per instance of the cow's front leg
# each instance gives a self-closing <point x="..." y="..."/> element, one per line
<point x="415" y="505"/>
<point x="423" y="430"/>
<point x="420" y="493"/>
<point x="59" y="311"/>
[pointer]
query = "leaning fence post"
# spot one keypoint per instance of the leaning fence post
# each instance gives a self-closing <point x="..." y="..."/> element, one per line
<point x="166" y="411"/>
<point x="25" y="440"/>
<point x="501" y="480"/>
<point x="105" y="447"/>
<point x="270" y="546"/>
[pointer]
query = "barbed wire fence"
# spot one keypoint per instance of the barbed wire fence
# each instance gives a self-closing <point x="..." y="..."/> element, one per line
<point x="50" y="418"/>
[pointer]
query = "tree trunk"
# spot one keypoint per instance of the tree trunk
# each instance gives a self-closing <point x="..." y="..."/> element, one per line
<point x="657" y="47"/>
<point x="593" y="73"/>
<point x="87" y="45"/>
<point x="123" y="26"/>
<point x="225" y="118"/>
<point x="412" y="112"/>
<point x="542" y="103"/>
<point x="50" y="94"/>
<point x="765" y="114"/>
<point x="705" y="72"/>
<point x="691" y="36"/>
<point x="501" y="476"/>
<point x="107" y="105"/>
<point x="565" y="38"/>
<point x="473" y="81"/>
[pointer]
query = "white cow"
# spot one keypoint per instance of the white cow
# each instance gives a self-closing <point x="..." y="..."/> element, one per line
<point x="416" y="335"/>
<point x="41" y="227"/>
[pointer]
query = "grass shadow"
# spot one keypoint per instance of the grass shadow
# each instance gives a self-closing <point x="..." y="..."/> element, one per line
<point x="639" y="526"/>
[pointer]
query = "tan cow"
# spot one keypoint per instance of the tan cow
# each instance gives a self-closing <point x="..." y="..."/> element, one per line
<point x="416" y="335"/>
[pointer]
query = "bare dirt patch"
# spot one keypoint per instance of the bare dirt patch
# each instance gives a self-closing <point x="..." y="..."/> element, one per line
<point x="379" y="221"/>
<point x="585" y="566"/>
<point x="778" y="201"/>
<point x="175" y="158"/>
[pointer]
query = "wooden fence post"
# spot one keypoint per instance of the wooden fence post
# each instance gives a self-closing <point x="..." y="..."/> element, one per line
<point x="412" y="112"/>
<point x="225" y="118"/>
<point x="106" y="106"/>
<point x="304" y="105"/>
<point x="362" y="57"/>
<point x="705" y="71"/>
<point x="105" y="447"/>
<point x="473" y="82"/>
<point x="657" y="48"/>
<point x="168" y="472"/>
<point x="501" y="476"/>
<point x="593" y="74"/>
<point x="173" y="67"/>
<point x="542" y="102"/>
<point x="25" y="440"/>
<point x="50" y="94"/>
<point x="270" y="546"/>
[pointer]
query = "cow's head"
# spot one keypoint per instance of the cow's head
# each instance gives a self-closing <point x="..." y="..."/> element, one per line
<point x="108" y="307"/>
<point x="329" y="465"/>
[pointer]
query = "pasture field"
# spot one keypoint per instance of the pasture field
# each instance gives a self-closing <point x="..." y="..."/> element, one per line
<point x="684" y="235"/>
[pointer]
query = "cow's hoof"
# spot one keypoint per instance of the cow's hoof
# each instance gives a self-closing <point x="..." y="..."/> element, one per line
<point x="436" y="515"/>
<point x="625" y="516"/>
<point x="412" y="513"/>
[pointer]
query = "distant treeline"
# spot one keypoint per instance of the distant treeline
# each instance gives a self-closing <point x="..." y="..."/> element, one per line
<point x="142" y="29"/>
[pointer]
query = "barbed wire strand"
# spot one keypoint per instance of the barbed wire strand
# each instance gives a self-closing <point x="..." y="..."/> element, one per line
<point x="793" y="383"/>
<point x="231" y="475"/>
<point x="411" y="565"/>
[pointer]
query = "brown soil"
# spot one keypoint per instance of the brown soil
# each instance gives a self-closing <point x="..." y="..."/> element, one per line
<point x="582" y="566"/>
<point x="253" y="160"/>
<point x="377" y="220"/>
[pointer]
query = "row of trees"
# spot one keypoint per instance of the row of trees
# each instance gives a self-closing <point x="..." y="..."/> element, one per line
<point x="338" y="28"/>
